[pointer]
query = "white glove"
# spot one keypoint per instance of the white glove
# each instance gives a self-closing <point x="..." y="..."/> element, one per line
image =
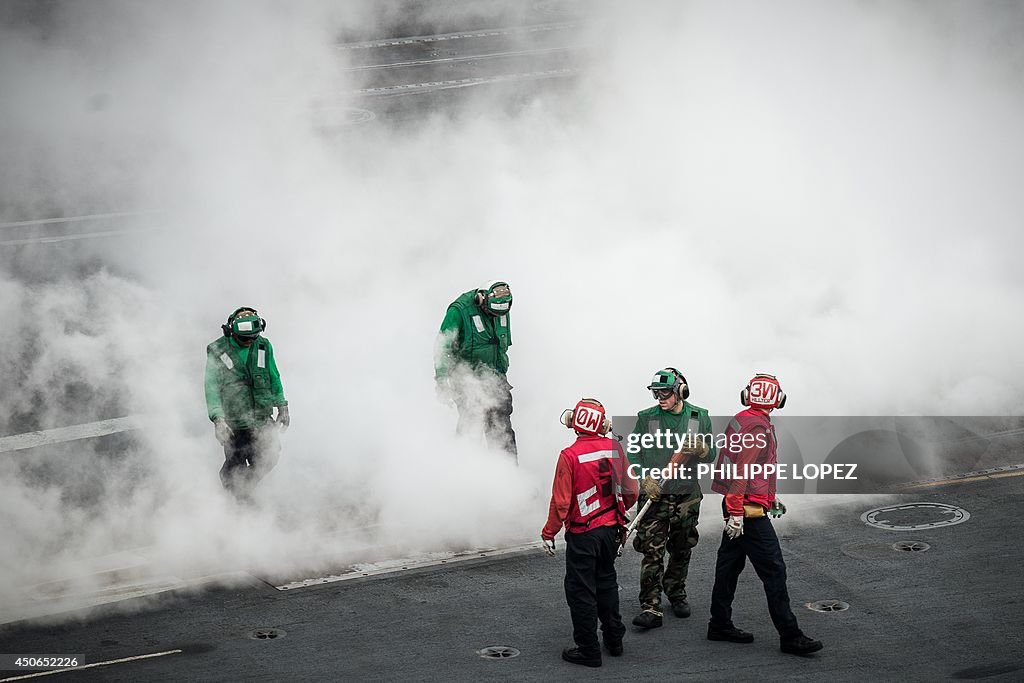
<point x="284" y="417"/>
<point x="222" y="431"/>
<point x="734" y="527"/>
<point x="549" y="546"/>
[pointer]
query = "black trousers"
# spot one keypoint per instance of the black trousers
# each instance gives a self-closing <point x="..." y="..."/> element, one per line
<point x="497" y="419"/>
<point x="248" y="456"/>
<point x="592" y="588"/>
<point x="761" y="545"/>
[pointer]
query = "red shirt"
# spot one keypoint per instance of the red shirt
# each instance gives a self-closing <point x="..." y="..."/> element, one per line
<point x="755" y="422"/>
<point x="569" y="500"/>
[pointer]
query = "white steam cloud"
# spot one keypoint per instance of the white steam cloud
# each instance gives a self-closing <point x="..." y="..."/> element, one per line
<point x="826" y="192"/>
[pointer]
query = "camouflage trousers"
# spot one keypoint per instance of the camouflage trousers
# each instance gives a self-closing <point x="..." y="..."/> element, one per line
<point x="670" y="525"/>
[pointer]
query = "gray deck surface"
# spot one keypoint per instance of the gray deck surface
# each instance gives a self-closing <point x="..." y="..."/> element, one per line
<point x="952" y="611"/>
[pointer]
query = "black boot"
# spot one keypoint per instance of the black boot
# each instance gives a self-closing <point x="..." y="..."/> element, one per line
<point x="800" y="645"/>
<point x="574" y="656"/>
<point x="681" y="608"/>
<point x="614" y="647"/>
<point x="649" y="618"/>
<point x="729" y="633"/>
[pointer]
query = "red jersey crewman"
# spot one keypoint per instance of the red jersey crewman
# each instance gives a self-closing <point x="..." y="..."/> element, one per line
<point x="589" y="498"/>
<point x="750" y="439"/>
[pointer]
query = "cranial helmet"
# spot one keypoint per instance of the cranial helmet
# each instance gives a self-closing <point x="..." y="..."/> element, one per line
<point x="244" y="323"/>
<point x="588" y="417"/>
<point x="495" y="297"/>
<point x="763" y="391"/>
<point x="671" y="379"/>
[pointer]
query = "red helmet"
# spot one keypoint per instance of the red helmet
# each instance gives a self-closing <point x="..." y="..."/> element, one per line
<point x="763" y="391"/>
<point x="587" y="417"/>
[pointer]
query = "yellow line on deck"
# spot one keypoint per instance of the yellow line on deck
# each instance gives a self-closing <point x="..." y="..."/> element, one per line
<point x="980" y="477"/>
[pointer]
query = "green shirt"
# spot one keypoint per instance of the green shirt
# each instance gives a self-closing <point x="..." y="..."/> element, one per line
<point x="690" y="418"/>
<point x="471" y="335"/>
<point x="243" y="383"/>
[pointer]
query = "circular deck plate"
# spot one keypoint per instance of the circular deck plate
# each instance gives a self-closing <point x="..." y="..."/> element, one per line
<point x="915" y="516"/>
<point x="498" y="652"/>
<point x="266" y="634"/>
<point x="828" y="606"/>
<point x="911" y="546"/>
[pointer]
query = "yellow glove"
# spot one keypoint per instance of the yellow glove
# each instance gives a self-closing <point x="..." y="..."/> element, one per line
<point x="693" y="447"/>
<point x="651" y="488"/>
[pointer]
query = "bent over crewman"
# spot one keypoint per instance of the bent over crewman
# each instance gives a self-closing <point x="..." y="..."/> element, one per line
<point x="748" y="531"/>
<point x="471" y="363"/>
<point x="670" y="525"/>
<point x="589" y="498"/>
<point x="243" y="386"/>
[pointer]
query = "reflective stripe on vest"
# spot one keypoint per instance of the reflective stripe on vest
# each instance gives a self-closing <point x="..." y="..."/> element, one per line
<point x="478" y="323"/>
<point x="261" y="357"/>
<point x="597" y="455"/>
<point x="585" y="507"/>
<point x="597" y="473"/>
<point x="226" y="360"/>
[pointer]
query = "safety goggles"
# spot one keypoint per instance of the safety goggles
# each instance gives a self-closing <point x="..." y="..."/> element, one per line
<point x="661" y="394"/>
<point x="248" y="326"/>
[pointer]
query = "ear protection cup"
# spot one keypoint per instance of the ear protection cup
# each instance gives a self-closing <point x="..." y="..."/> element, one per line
<point x="681" y="388"/>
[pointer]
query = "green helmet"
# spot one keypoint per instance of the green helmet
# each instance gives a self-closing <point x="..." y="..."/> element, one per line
<point x="670" y="379"/>
<point x="496" y="298"/>
<point x="244" y="323"/>
<point x="247" y="326"/>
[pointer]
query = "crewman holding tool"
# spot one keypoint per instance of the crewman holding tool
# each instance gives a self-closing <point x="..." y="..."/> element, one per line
<point x="670" y="525"/>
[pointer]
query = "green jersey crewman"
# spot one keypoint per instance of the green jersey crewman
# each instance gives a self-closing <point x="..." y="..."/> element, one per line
<point x="471" y="362"/>
<point x="243" y="386"/>
<point x="670" y="524"/>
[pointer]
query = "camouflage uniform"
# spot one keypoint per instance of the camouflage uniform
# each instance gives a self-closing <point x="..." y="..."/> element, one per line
<point x="671" y="522"/>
